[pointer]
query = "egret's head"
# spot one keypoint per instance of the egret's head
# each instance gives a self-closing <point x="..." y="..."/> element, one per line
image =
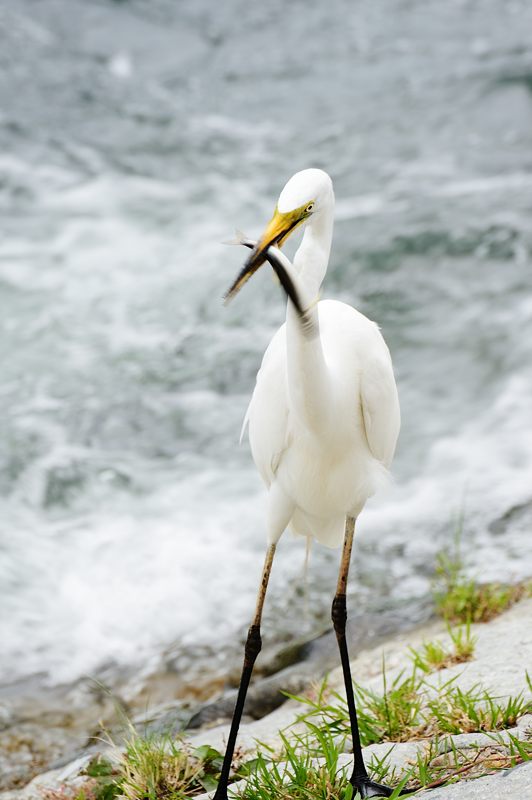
<point x="305" y="195"/>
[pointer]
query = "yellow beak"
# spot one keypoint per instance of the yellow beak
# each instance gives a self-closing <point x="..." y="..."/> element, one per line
<point x="277" y="232"/>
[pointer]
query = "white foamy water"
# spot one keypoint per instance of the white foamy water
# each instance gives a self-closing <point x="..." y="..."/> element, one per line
<point x="132" y="522"/>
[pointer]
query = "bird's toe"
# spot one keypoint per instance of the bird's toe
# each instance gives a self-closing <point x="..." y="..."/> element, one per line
<point x="367" y="788"/>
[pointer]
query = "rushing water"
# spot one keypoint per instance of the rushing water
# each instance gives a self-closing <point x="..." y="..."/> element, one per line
<point x="134" y="138"/>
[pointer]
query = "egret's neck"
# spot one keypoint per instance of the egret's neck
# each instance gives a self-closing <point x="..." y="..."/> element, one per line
<point x="308" y="376"/>
<point x="312" y="257"/>
<point x="309" y="384"/>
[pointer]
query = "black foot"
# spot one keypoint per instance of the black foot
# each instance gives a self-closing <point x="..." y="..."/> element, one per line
<point x="367" y="788"/>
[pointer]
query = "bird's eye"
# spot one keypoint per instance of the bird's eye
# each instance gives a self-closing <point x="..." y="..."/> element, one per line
<point x="309" y="208"/>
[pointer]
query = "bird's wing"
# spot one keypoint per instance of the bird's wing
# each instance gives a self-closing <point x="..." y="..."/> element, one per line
<point x="267" y="414"/>
<point x="380" y="405"/>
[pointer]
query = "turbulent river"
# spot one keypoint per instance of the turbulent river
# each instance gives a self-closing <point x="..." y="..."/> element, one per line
<point x="134" y="138"/>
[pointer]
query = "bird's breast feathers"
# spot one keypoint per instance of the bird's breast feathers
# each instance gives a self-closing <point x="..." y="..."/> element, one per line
<point x="345" y="465"/>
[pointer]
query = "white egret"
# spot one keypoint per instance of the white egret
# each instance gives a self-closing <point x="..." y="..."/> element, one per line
<point x="323" y="419"/>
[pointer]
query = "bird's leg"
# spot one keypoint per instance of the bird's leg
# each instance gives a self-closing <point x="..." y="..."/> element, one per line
<point x="359" y="778"/>
<point x="251" y="651"/>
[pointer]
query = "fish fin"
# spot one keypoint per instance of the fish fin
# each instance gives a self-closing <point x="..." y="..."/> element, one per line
<point x="240" y="238"/>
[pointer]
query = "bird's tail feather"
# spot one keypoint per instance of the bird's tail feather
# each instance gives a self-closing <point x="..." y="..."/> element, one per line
<point x="328" y="531"/>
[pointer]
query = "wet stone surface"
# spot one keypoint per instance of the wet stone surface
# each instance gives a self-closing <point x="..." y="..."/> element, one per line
<point x="38" y="734"/>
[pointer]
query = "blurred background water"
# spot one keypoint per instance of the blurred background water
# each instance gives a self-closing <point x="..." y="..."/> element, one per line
<point x="134" y="138"/>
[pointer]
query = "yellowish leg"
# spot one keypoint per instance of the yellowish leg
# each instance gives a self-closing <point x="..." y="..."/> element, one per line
<point x="359" y="778"/>
<point x="251" y="651"/>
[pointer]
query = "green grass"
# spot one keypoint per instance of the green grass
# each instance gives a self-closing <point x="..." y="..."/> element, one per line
<point x="295" y="775"/>
<point x="410" y="708"/>
<point x="436" y="655"/>
<point x="394" y="714"/>
<point x="390" y="715"/>
<point x="306" y="766"/>
<point x="460" y="600"/>
<point x="457" y="711"/>
<point x="434" y="768"/>
<point x="155" y="767"/>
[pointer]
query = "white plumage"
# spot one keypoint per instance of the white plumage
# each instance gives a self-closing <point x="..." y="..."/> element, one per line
<point x="324" y="415"/>
<point x="323" y="421"/>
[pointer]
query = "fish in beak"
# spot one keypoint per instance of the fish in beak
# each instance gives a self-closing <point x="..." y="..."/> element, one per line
<point x="277" y="232"/>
